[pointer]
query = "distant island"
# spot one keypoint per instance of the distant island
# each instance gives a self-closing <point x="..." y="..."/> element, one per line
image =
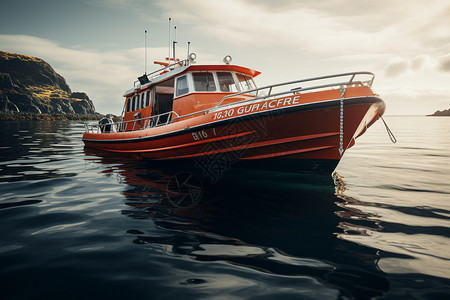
<point x="440" y="113"/>
<point x="31" y="89"/>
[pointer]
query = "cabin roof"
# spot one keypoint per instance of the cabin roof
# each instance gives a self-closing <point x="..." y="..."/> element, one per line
<point x="235" y="68"/>
<point x="193" y="68"/>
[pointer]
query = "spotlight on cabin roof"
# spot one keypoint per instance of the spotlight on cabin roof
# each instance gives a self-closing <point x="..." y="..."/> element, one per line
<point x="143" y="79"/>
<point x="192" y="57"/>
<point x="227" y="59"/>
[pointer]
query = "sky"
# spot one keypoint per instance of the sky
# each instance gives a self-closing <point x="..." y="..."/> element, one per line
<point x="98" y="46"/>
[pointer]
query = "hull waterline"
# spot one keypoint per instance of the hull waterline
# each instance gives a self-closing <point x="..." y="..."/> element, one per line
<point x="297" y="138"/>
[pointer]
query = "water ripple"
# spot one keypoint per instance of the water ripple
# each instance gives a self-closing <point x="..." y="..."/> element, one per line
<point x="110" y="224"/>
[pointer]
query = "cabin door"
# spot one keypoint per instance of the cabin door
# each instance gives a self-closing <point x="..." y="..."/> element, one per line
<point x="163" y="103"/>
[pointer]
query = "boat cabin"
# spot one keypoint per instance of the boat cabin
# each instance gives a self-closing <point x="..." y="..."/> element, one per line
<point x="182" y="91"/>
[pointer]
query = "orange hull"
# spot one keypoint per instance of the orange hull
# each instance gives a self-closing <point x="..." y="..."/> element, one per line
<point x="291" y="133"/>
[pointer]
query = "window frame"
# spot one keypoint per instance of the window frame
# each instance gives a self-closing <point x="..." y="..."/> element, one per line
<point x="133" y="103"/>
<point x="233" y="77"/>
<point x="143" y="95"/>
<point x="148" y="101"/>
<point x="248" y="82"/>
<point x="186" y="90"/>
<point x="128" y="104"/>
<point x="214" y="81"/>
<point x="137" y="103"/>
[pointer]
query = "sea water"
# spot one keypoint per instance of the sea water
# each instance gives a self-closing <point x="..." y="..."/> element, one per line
<point x="77" y="223"/>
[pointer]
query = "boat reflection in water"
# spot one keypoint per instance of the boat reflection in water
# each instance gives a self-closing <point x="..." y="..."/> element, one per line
<point x="276" y="224"/>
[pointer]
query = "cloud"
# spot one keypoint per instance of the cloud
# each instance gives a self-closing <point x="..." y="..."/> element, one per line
<point x="419" y="61"/>
<point x="104" y="76"/>
<point x="297" y="26"/>
<point x="397" y="66"/>
<point x="405" y="65"/>
<point x="444" y="63"/>
<point x="340" y="27"/>
<point x="432" y="28"/>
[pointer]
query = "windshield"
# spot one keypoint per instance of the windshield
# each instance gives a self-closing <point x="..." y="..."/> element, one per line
<point x="204" y="82"/>
<point x="246" y="82"/>
<point x="226" y="82"/>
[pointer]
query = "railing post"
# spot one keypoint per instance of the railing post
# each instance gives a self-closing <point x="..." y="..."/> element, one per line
<point x="353" y="77"/>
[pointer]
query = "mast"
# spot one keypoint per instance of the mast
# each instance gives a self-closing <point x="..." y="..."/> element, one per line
<point x="174" y="45"/>
<point x="187" y="57"/>
<point x="145" y="66"/>
<point x="170" y="42"/>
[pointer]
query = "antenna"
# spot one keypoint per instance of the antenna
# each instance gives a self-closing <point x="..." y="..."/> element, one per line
<point x="174" y="59"/>
<point x="145" y="52"/>
<point x="174" y="44"/>
<point x="189" y="43"/>
<point x="170" y="42"/>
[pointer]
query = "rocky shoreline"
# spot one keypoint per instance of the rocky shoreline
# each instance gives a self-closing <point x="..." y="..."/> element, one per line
<point x="29" y="85"/>
<point x="9" y="116"/>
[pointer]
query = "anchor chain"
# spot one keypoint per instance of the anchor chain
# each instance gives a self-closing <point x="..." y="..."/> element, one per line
<point x="341" y="122"/>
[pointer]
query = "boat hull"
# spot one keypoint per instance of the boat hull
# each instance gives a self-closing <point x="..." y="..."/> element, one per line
<point x="305" y="137"/>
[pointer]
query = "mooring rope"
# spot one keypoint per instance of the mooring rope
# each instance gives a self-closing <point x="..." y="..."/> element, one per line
<point x="390" y="134"/>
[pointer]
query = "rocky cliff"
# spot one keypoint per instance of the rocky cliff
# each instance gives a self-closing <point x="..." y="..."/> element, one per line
<point x="441" y="113"/>
<point x="30" y="85"/>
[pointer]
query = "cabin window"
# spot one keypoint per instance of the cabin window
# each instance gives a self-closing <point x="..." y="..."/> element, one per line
<point x="204" y="82"/>
<point x="226" y="82"/>
<point x="182" y="86"/>
<point x="246" y="82"/>
<point x="133" y="103"/>
<point x="147" y="98"/>
<point x="128" y="104"/>
<point x="250" y="82"/>
<point x="136" y="102"/>
<point x="143" y="95"/>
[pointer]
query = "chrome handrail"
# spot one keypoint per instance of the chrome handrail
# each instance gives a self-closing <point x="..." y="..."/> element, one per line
<point x="121" y="126"/>
<point x="295" y="90"/>
<point x="167" y="68"/>
<point x="270" y="87"/>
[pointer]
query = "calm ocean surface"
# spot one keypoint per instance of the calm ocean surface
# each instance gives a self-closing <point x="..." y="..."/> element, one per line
<point x="81" y="224"/>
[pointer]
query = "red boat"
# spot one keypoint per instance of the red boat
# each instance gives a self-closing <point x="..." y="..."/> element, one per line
<point x="212" y="112"/>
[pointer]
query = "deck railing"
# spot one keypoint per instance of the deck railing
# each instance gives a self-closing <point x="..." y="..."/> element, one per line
<point x="294" y="90"/>
<point x="137" y="124"/>
<point x="270" y="88"/>
<point x="255" y="94"/>
<point x="165" y="69"/>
